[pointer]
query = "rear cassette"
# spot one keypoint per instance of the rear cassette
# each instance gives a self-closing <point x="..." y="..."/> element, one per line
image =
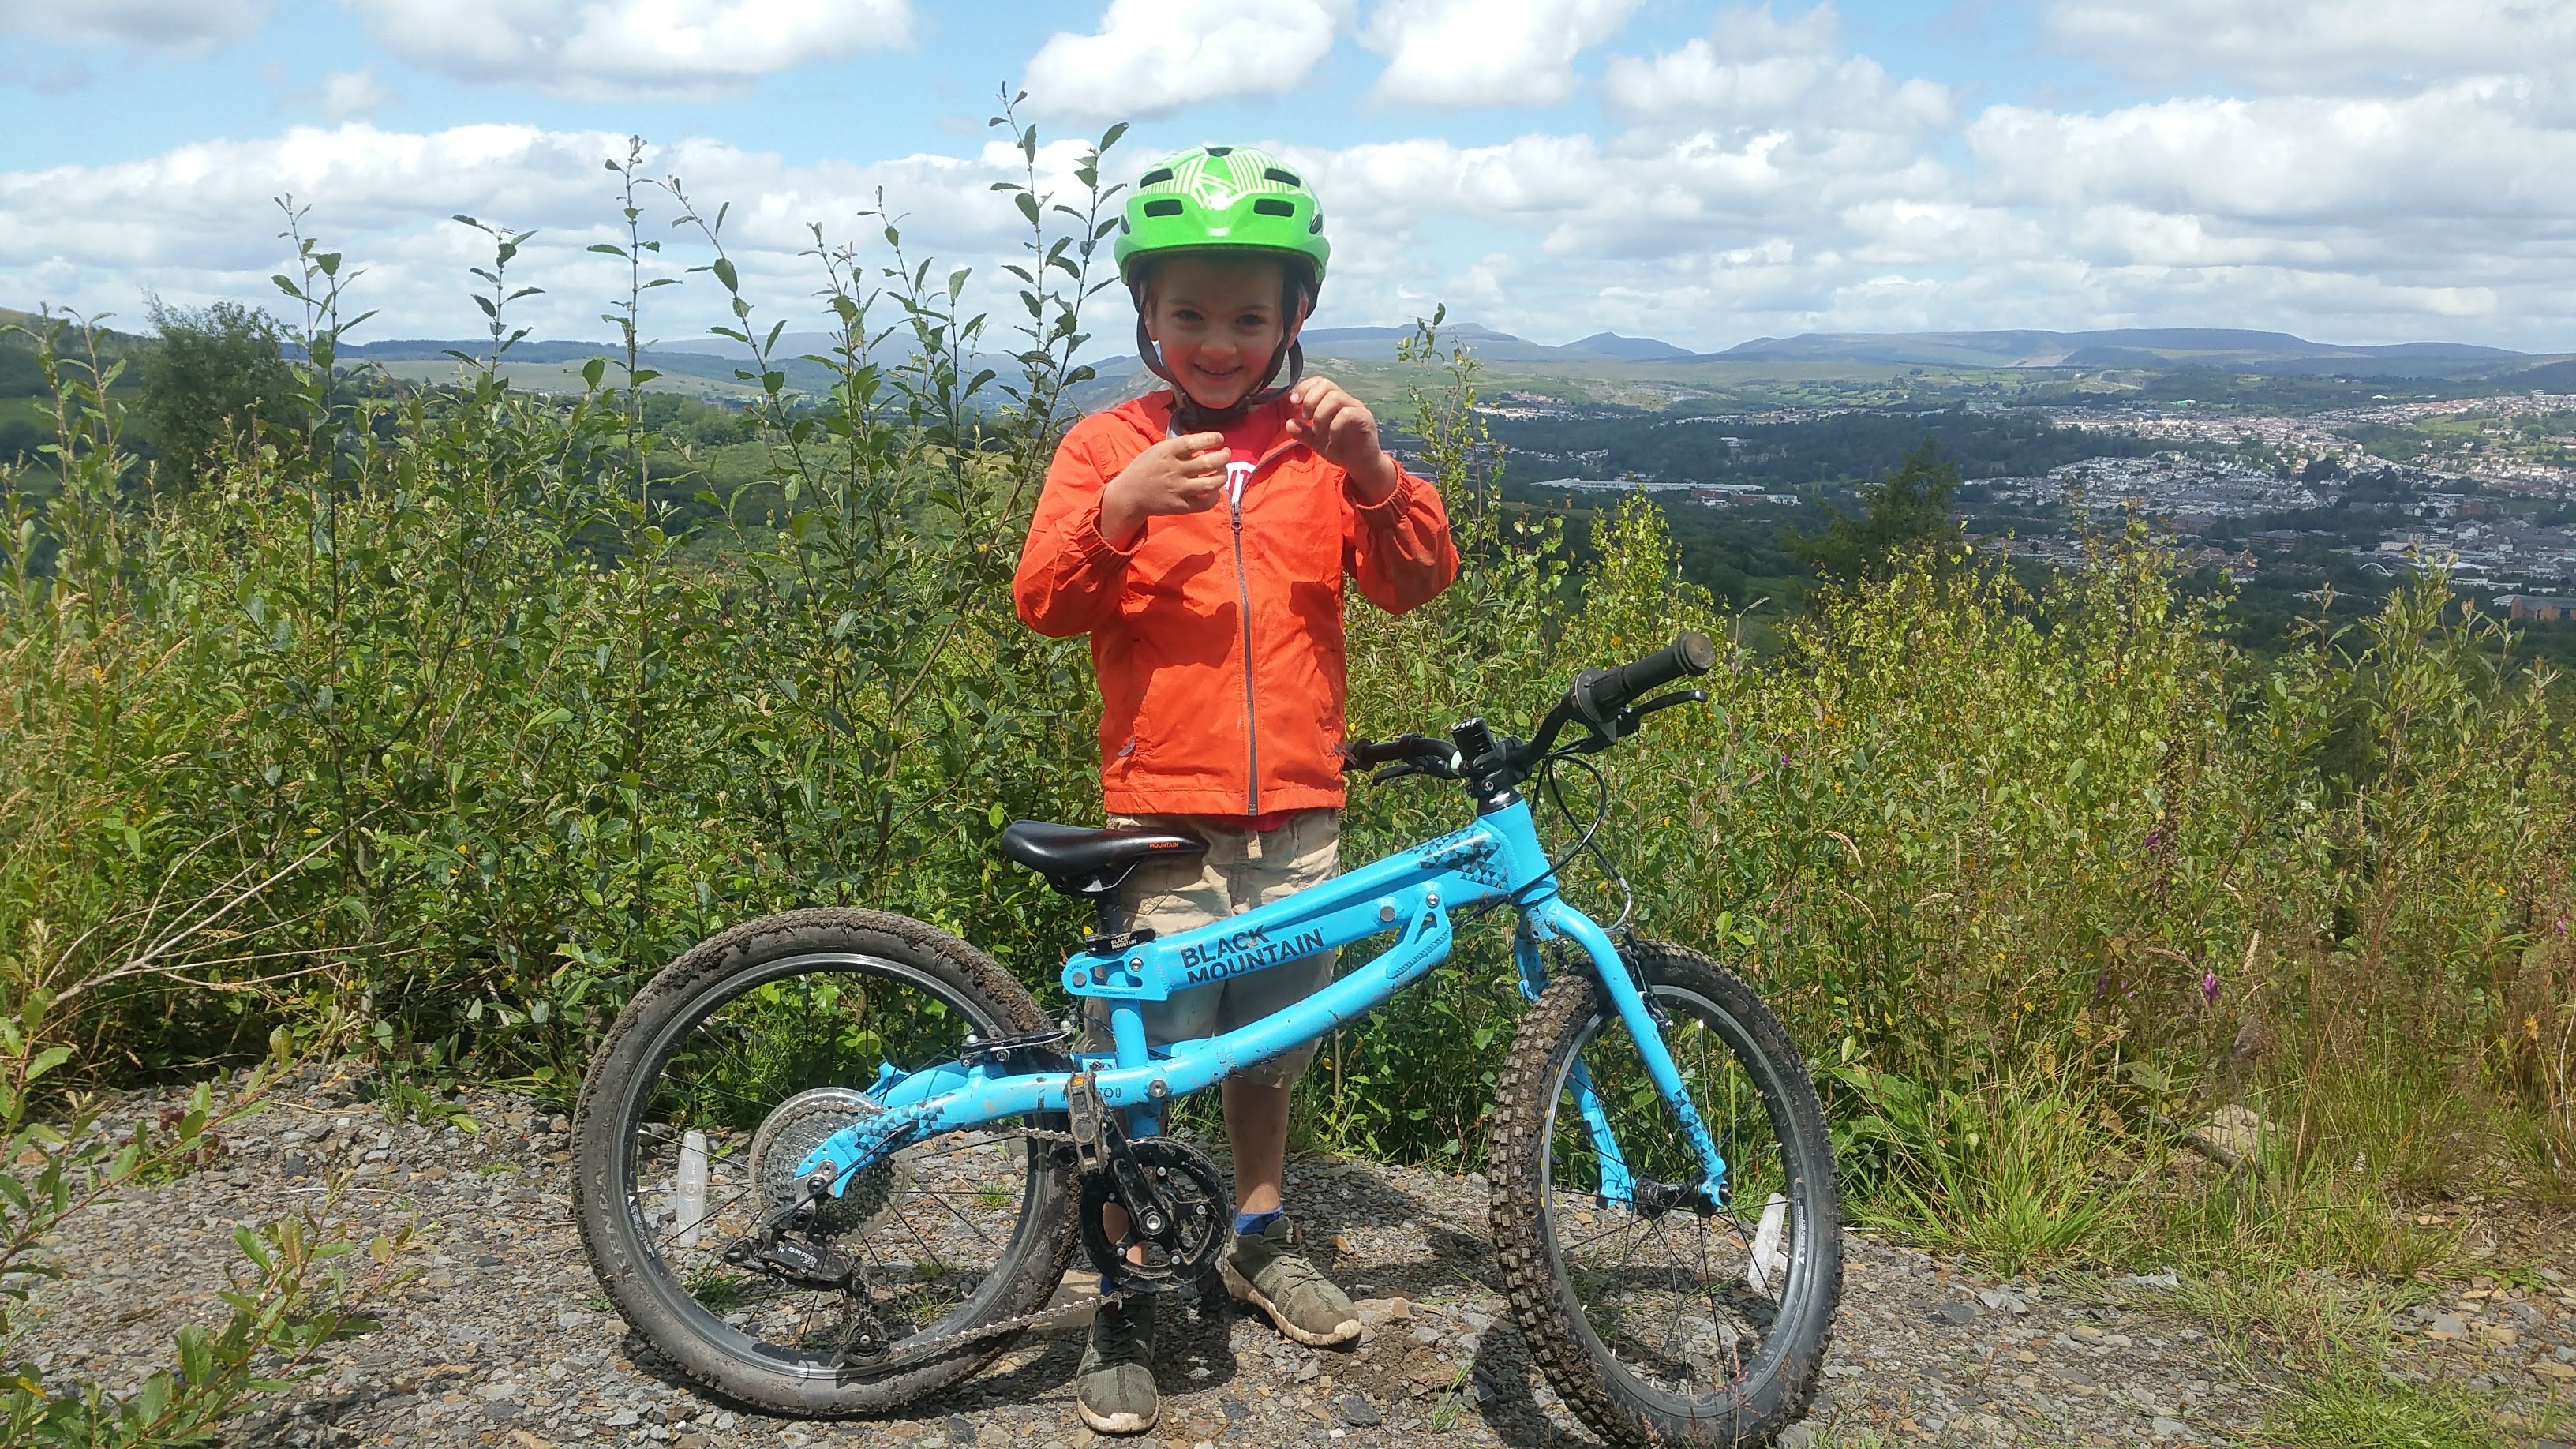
<point x="793" y="1130"/>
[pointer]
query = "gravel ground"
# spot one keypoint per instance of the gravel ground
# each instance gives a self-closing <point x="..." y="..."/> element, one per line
<point x="503" y="1338"/>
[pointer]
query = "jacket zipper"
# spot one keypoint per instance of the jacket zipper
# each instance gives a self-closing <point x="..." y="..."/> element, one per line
<point x="1251" y="718"/>
<point x="1243" y="602"/>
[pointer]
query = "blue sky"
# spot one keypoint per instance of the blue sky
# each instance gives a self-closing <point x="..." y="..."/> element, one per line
<point x="2360" y="170"/>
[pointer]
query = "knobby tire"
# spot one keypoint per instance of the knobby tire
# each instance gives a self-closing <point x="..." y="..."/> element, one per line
<point x="1552" y="1316"/>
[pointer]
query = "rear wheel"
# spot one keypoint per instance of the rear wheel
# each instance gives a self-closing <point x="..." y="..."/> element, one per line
<point x="718" y="1079"/>
<point x="1656" y="1323"/>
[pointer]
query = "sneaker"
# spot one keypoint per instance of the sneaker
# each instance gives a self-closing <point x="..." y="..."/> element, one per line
<point x="1268" y="1272"/>
<point x="1114" y="1388"/>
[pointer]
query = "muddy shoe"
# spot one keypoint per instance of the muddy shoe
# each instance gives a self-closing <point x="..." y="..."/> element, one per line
<point x="1114" y="1388"/>
<point x="1268" y="1272"/>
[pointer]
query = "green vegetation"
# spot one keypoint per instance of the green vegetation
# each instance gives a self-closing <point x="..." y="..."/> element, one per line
<point x="1904" y="516"/>
<point x="431" y="726"/>
<point x="215" y="374"/>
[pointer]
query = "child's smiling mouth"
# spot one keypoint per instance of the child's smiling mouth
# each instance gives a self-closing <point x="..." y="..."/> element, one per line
<point x="1219" y="374"/>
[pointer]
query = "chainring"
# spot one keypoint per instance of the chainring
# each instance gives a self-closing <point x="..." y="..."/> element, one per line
<point x="792" y="1131"/>
<point x="1202" y="1206"/>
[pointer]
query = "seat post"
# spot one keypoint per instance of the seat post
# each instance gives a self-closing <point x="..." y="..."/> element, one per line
<point x="1108" y="910"/>
<point x="1108" y="915"/>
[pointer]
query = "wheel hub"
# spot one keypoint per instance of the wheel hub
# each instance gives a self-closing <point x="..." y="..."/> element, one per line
<point x="792" y="1131"/>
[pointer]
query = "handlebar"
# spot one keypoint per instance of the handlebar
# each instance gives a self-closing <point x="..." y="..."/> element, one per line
<point x="1600" y="697"/>
<point x="1401" y="756"/>
<point x="1599" y="694"/>
<point x="1605" y="700"/>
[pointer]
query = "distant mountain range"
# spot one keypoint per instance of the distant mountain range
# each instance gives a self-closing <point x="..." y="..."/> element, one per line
<point x="2131" y="348"/>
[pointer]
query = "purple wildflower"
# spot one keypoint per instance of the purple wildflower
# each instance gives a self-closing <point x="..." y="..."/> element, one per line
<point x="2209" y="987"/>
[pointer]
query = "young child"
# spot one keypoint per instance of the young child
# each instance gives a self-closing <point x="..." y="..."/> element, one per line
<point x="1201" y="536"/>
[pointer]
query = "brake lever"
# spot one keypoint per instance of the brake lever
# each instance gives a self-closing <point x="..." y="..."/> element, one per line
<point x="1629" y="717"/>
<point x="1396" y="771"/>
<point x="1625" y="722"/>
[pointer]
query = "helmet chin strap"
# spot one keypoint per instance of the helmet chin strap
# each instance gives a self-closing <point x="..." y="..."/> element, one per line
<point x="1190" y="416"/>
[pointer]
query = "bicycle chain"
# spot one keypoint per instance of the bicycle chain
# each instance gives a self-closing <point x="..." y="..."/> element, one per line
<point x="927" y="1350"/>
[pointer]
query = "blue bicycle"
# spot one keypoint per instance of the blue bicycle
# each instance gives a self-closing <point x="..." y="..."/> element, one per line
<point x="833" y="1160"/>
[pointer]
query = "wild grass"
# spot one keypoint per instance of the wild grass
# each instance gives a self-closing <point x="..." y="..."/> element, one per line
<point x="2008" y="1173"/>
<point x="2356" y="1409"/>
<point x="2325" y="1337"/>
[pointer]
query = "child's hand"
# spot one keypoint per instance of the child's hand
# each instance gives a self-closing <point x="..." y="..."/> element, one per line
<point x="1344" y="431"/>
<point x="1176" y="475"/>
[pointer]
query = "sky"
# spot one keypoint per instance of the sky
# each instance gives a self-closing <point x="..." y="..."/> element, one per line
<point x="2358" y="171"/>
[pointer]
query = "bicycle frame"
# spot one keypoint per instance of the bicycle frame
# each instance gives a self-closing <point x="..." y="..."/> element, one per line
<point x="1410" y="895"/>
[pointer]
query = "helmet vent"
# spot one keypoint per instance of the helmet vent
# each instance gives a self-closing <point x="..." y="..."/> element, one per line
<point x="1313" y="228"/>
<point x="1220" y="150"/>
<point x="1165" y="206"/>
<point x="1155" y="177"/>
<point x="1272" y="206"/>
<point x="1284" y="178"/>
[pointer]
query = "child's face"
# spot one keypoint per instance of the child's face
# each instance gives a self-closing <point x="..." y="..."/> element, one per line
<point x="1218" y="321"/>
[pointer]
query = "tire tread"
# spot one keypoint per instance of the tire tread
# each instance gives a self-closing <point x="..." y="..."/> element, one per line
<point x="1540" y="1305"/>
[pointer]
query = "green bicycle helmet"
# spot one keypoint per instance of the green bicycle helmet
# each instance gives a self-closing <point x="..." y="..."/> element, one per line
<point x="1220" y="199"/>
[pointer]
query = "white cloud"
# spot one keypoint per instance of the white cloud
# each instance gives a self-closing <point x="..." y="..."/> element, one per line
<point x="1754" y="67"/>
<point x="2306" y="46"/>
<point x="185" y="27"/>
<point x="349" y="93"/>
<point x="2471" y="153"/>
<point x="199" y="221"/>
<point x="2435" y="214"/>
<point x="56" y="76"/>
<point x="1487" y="52"/>
<point x="1150" y="56"/>
<point x="1753" y="64"/>
<point x="614" y="49"/>
<point x="1759" y="178"/>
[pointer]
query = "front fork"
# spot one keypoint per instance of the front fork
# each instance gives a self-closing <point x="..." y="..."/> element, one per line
<point x="1549" y="918"/>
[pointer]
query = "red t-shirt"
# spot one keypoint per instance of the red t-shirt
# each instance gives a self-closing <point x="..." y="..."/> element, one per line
<point x="1251" y="436"/>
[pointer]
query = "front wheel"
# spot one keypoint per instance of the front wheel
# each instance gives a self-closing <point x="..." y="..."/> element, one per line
<point x="1658" y="1323"/>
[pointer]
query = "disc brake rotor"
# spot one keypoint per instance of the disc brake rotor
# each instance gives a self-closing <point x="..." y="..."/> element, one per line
<point x="792" y="1131"/>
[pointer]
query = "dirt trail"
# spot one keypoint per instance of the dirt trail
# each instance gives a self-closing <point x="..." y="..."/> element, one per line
<point x="504" y="1339"/>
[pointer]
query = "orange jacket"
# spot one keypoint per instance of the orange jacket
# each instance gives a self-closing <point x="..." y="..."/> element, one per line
<point x="1217" y="636"/>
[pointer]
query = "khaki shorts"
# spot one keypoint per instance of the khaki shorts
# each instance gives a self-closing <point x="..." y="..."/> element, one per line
<point x="1243" y="868"/>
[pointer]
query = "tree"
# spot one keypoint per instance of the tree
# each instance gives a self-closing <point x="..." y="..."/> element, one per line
<point x="216" y="371"/>
<point x="1904" y="511"/>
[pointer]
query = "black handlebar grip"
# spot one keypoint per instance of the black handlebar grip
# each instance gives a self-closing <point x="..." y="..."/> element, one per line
<point x="1689" y="653"/>
<point x="1366" y="753"/>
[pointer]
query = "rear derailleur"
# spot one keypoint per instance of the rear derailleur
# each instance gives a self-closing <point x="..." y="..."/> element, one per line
<point x="790" y="1248"/>
<point x="1177" y="1204"/>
